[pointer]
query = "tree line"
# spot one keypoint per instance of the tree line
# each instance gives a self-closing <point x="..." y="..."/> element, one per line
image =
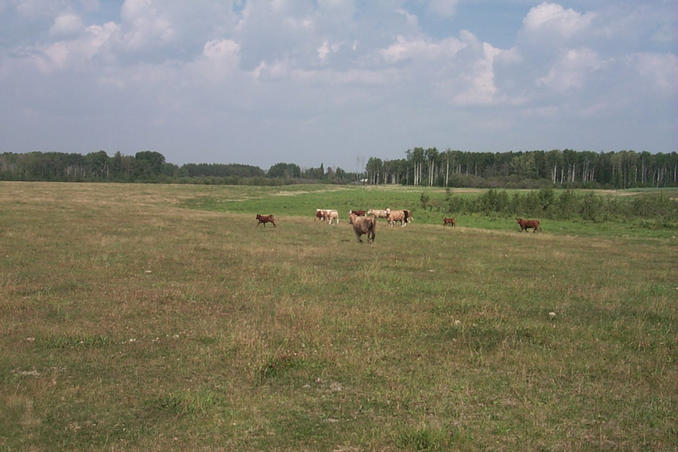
<point x="151" y="166"/>
<point x="531" y="169"/>
<point x="420" y="167"/>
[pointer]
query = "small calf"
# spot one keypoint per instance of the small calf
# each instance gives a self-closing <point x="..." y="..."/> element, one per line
<point x="265" y="219"/>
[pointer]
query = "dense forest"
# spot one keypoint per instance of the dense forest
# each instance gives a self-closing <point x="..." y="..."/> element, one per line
<point x="556" y="168"/>
<point x="420" y="167"/>
<point x="150" y="166"/>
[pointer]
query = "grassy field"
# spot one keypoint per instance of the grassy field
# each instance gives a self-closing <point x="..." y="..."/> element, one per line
<point x="157" y="317"/>
<point x="298" y="200"/>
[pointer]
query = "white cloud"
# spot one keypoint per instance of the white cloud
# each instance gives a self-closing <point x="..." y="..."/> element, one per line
<point x="147" y="24"/>
<point x="72" y="53"/>
<point x="481" y="88"/>
<point x="66" y="24"/>
<point x="324" y="50"/>
<point x="271" y="71"/>
<point x="291" y="63"/>
<point x="425" y="48"/>
<point x="572" y="69"/>
<point x="411" y="20"/>
<point x="224" y="49"/>
<point x="551" y="18"/>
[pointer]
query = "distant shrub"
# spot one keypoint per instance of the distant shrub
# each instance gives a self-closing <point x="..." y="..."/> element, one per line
<point x="566" y="205"/>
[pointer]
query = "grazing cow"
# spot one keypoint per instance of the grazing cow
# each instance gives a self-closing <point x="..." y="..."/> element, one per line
<point x="357" y="213"/>
<point x="265" y="219"/>
<point x="527" y="224"/>
<point x="378" y="213"/>
<point x="363" y="225"/>
<point x="332" y="215"/>
<point x="449" y="221"/>
<point x="403" y="216"/>
<point x="324" y="214"/>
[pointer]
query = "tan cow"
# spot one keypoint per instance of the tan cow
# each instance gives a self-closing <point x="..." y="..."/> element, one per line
<point x="378" y="213"/>
<point x="332" y="215"/>
<point x="326" y="215"/>
<point x="403" y="216"/>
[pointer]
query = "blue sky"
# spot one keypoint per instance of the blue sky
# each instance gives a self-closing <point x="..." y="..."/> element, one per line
<point x="336" y="81"/>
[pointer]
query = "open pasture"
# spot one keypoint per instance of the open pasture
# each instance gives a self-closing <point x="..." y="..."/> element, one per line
<point x="156" y="317"/>
<point x="303" y="200"/>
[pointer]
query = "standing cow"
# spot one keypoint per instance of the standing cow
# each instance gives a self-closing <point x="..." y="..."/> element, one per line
<point x="332" y="215"/>
<point x="328" y="215"/>
<point x="527" y="224"/>
<point x="403" y="216"/>
<point x="362" y="226"/>
<point x="449" y="221"/>
<point x="378" y="213"/>
<point x="357" y="213"/>
<point x="265" y="219"/>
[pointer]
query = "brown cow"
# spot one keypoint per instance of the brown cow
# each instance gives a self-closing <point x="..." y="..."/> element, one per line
<point x="363" y="225"/>
<point x="449" y="221"/>
<point x="357" y="213"/>
<point x="265" y="219"/>
<point x="527" y="224"/>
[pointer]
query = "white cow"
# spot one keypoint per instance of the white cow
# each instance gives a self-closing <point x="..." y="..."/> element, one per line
<point x="378" y="213"/>
<point x="332" y="215"/>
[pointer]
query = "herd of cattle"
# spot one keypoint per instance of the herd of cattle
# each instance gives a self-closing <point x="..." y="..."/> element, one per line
<point x="365" y="222"/>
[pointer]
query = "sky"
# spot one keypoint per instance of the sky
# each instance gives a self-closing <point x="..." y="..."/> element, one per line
<point x="336" y="81"/>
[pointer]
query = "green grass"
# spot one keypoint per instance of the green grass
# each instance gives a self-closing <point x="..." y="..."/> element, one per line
<point x="303" y="200"/>
<point x="131" y="319"/>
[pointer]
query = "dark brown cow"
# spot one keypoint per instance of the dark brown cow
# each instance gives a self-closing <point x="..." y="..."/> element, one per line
<point x="357" y="213"/>
<point x="527" y="224"/>
<point x="363" y="225"/>
<point x="449" y="221"/>
<point x="265" y="219"/>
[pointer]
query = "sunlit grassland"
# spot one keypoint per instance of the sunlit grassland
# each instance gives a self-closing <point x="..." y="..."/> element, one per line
<point x="130" y="321"/>
<point x="303" y="200"/>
